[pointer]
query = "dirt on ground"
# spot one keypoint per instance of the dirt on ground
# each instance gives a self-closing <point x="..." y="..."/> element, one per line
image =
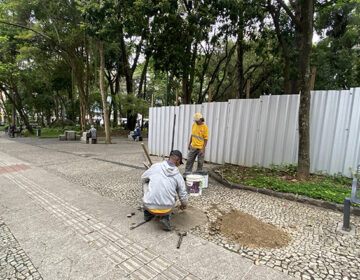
<point x="188" y="219"/>
<point x="247" y="230"/>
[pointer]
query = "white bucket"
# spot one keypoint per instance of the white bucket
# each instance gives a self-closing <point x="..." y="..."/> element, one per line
<point x="194" y="184"/>
<point x="205" y="178"/>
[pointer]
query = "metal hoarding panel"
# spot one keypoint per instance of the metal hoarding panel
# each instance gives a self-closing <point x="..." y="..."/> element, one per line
<point x="215" y="115"/>
<point x="264" y="131"/>
<point x="352" y="157"/>
<point x="278" y="130"/>
<point x="242" y="131"/>
<point x="329" y="119"/>
<point x="151" y="135"/>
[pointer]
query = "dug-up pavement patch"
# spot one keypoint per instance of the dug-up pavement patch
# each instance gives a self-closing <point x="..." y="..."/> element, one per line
<point x="61" y="230"/>
<point x="246" y="230"/>
<point x="316" y="250"/>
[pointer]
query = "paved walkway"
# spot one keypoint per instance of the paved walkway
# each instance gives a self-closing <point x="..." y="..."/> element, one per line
<point x="51" y="228"/>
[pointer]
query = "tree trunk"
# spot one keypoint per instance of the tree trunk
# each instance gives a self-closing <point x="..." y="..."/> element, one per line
<point x="192" y="70"/>
<point x="82" y="107"/>
<point x="56" y="108"/>
<point x="143" y="76"/>
<point x="79" y="78"/>
<point x="87" y="81"/>
<point x="306" y="28"/>
<point x="13" y="113"/>
<point x="16" y="100"/>
<point x="186" y="94"/>
<point x="287" y="82"/>
<point x="131" y="119"/>
<point x="103" y="93"/>
<point x="127" y="70"/>
<point x="6" y="113"/>
<point x="115" y="110"/>
<point x="239" y="65"/>
<point x="71" y="114"/>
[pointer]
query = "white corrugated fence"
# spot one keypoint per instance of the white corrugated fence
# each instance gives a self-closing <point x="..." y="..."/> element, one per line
<point x="264" y="131"/>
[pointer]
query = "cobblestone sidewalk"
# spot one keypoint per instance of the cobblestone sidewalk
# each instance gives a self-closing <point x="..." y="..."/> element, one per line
<point x="135" y="261"/>
<point x="317" y="249"/>
<point x="14" y="262"/>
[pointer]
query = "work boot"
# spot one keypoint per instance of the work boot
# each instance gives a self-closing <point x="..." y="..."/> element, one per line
<point x="166" y="222"/>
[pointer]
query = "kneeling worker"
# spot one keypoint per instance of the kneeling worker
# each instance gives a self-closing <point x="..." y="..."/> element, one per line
<point x="162" y="182"/>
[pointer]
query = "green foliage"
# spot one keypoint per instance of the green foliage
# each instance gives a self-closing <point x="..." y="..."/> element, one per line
<point x="188" y="43"/>
<point x="337" y="56"/>
<point x="131" y="103"/>
<point x="332" y="188"/>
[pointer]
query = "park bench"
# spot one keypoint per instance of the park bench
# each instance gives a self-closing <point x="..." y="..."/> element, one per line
<point x="69" y="135"/>
<point x="354" y="198"/>
<point x="91" y="141"/>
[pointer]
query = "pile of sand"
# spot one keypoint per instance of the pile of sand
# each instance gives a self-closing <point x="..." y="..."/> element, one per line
<point x="247" y="230"/>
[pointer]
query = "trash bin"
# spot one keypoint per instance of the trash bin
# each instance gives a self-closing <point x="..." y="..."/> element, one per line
<point x="38" y="131"/>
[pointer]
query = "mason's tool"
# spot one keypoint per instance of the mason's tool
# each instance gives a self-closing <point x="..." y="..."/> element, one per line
<point x="147" y="156"/>
<point x="181" y="235"/>
<point x="138" y="224"/>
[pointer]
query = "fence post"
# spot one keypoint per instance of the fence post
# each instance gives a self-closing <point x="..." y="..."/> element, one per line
<point x="346" y="222"/>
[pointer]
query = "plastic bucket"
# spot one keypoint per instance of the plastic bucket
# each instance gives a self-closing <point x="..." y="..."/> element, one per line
<point x="194" y="183"/>
<point x="205" y="178"/>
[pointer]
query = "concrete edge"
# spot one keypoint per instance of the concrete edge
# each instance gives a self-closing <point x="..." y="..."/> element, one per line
<point x="288" y="196"/>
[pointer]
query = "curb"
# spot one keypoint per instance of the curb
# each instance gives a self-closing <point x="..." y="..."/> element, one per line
<point x="289" y="196"/>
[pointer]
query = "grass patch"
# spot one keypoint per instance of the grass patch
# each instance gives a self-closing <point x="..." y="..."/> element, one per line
<point x="2" y="128"/>
<point x="283" y="179"/>
<point x="54" y="132"/>
<point x="51" y="132"/>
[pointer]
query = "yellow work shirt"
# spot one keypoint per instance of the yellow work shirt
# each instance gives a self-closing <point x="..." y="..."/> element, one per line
<point x="199" y="133"/>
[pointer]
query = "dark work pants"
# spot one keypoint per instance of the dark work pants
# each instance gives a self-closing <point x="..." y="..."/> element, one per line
<point x="193" y="153"/>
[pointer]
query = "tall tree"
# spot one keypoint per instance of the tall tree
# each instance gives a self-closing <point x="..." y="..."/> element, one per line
<point x="303" y="21"/>
<point x="178" y="30"/>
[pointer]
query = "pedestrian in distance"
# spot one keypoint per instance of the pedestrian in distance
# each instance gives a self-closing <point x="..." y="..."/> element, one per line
<point x="197" y="144"/>
<point x="12" y="131"/>
<point x="91" y="135"/>
<point x="162" y="183"/>
<point x="137" y="132"/>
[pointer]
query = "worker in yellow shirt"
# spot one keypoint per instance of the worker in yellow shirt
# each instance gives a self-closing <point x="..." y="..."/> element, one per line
<point x="197" y="144"/>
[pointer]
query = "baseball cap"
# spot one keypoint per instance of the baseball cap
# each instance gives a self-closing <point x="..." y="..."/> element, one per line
<point x="177" y="153"/>
<point x="197" y="117"/>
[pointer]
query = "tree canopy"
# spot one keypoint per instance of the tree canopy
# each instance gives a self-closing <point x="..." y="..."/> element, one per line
<point x="82" y="60"/>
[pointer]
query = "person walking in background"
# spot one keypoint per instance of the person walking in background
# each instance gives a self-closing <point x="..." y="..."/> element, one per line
<point x="197" y="144"/>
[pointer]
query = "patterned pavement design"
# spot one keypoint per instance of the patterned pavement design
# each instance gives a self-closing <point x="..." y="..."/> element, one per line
<point x="137" y="262"/>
